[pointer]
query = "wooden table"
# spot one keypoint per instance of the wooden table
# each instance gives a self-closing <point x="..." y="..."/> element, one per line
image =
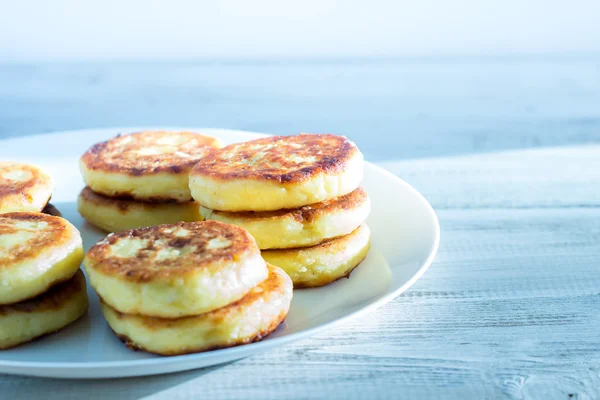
<point x="394" y="109"/>
<point x="510" y="307"/>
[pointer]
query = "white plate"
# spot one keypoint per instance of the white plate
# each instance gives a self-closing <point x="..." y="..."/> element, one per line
<point x="405" y="240"/>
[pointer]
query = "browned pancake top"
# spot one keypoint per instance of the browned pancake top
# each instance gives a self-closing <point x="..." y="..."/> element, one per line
<point x="170" y="251"/>
<point x="23" y="235"/>
<point x="22" y="180"/>
<point x="307" y="213"/>
<point x="284" y="159"/>
<point x="51" y="300"/>
<point x="149" y="152"/>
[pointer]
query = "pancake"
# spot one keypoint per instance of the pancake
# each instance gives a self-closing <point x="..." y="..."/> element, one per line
<point x="250" y="319"/>
<point x="114" y="214"/>
<point x="146" y="166"/>
<point x="37" y="251"/>
<point x="325" y="263"/>
<point x="277" y="172"/>
<point x="171" y="271"/>
<point x="49" y="312"/>
<point x="51" y="210"/>
<point x="23" y="188"/>
<point x="300" y="227"/>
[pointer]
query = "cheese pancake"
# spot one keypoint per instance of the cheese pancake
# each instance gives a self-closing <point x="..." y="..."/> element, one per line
<point x="23" y="188"/>
<point x="146" y="166"/>
<point x="325" y="263"/>
<point x="250" y="319"/>
<point x="49" y="312"/>
<point x="277" y="172"/>
<point x="171" y="271"/>
<point x="37" y="251"/>
<point x="300" y="227"/>
<point x="113" y="214"/>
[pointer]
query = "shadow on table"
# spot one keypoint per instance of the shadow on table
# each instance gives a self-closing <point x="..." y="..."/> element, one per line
<point x="124" y="388"/>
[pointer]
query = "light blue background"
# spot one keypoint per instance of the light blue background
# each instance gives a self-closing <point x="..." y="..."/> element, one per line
<point x="403" y="79"/>
<point x="184" y="29"/>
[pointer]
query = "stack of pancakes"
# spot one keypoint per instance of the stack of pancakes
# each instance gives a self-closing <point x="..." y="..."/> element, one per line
<point x="41" y="287"/>
<point x="141" y="179"/>
<point x="187" y="287"/>
<point x="299" y="196"/>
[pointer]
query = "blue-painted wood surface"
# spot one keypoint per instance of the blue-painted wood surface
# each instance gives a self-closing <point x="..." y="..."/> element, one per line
<point x="402" y="108"/>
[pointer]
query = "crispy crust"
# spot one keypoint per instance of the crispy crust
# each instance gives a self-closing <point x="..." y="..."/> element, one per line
<point x="35" y="296"/>
<point x="325" y="282"/>
<point x="122" y="203"/>
<point x="281" y="159"/>
<point x="117" y="214"/>
<point x="271" y="285"/>
<point x="53" y="234"/>
<point x="274" y="287"/>
<point x="328" y="244"/>
<point x="256" y="338"/>
<point x="12" y="346"/>
<point x="324" y="263"/>
<point x="126" y="197"/>
<point x="12" y="187"/>
<point x="197" y="241"/>
<point x="121" y="154"/>
<point x="307" y="213"/>
<point x="53" y="299"/>
<point x="15" y="191"/>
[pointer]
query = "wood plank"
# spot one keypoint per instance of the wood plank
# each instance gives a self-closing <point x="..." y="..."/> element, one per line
<point x="403" y="108"/>
<point x="540" y="178"/>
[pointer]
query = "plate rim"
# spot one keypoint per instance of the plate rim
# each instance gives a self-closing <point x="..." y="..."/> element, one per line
<point x="248" y="349"/>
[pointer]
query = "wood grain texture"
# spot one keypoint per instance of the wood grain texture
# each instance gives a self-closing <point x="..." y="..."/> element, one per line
<point x="399" y="108"/>
<point x="509" y="309"/>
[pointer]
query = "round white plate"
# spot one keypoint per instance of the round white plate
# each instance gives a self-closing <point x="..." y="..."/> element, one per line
<point x="405" y="240"/>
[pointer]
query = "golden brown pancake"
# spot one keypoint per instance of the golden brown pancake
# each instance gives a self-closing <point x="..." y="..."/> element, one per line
<point x="175" y="270"/>
<point x="113" y="214"/>
<point x="247" y="320"/>
<point x="325" y="263"/>
<point x="303" y="226"/>
<point x="277" y="172"/>
<point x="49" y="312"/>
<point x="147" y="166"/>
<point x="37" y="251"/>
<point x="23" y="188"/>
